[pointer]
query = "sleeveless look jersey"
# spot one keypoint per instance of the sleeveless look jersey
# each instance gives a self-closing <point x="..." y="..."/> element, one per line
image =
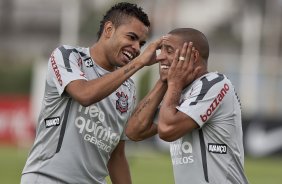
<point x="73" y="143"/>
<point x="213" y="153"/>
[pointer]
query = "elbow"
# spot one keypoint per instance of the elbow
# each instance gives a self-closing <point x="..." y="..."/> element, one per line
<point x="166" y="133"/>
<point x="84" y="101"/>
<point x="132" y="135"/>
<point x="166" y="138"/>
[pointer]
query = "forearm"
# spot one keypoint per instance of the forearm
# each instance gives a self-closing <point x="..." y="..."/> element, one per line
<point x="168" y="111"/>
<point x="110" y="82"/>
<point x="140" y="125"/>
<point x="89" y="92"/>
<point x="171" y="101"/>
<point x="173" y="124"/>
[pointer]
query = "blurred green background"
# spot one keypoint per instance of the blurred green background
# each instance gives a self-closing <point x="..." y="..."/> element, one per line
<point x="245" y="40"/>
<point x="148" y="166"/>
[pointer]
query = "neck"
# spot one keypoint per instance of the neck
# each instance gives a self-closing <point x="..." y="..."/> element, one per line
<point x="203" y="67"/>
<point x="98" y="54"/>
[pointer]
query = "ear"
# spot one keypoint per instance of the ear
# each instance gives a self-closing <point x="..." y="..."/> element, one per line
<point x="108" y="29"/>
<point x="196" y="55"/>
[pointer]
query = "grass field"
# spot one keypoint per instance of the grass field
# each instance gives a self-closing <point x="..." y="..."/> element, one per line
<point x="147" y="167"/>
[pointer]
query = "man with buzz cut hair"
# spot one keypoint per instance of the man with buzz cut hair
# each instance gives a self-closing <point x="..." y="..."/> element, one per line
<point x="199" y="114"/>
<point x="88" y="99"/>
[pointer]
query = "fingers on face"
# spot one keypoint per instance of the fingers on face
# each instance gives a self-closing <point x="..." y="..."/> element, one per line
<point x="189" y="51"/>
<point x="183" y="52"/>
<point x="159" y="41"/>
<point x="175" y="59"/>
<point x="186" y="51"/>
<point x="156" y="44"/>
<point x="185" y="57"/>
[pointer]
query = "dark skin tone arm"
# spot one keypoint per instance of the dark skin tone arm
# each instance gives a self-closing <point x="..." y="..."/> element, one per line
<point x="173" y="124"/>
<point x="140" y="126"/>
<point x="118" y="166"/>
<point x="89" y="92"/>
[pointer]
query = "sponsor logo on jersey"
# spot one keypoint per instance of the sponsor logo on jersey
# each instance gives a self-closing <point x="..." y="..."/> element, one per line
<point x="181" y="152"/>
<point x="88" y="62"/>
<point x="91" y="125"/>
<point x="217" y="148"/>
<point x="50" y="122"/>
<point x="122" y="102"/>
<point x="215" y="103"/>
<point x="56" y="69"/>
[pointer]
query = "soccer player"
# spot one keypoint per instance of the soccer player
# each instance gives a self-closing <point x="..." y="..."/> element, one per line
<point x="88" y="98"/>
<point x="200" y="113"/>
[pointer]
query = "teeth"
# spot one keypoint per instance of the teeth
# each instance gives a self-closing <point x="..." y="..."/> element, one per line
<point x="128" y="54"/>
<point x="164" y="67"/>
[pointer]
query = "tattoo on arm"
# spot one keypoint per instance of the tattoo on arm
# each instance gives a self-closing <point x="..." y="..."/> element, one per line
<point x="128" y="69"/>
<point x="174" y="100"/>
<point x="142" y="106"/>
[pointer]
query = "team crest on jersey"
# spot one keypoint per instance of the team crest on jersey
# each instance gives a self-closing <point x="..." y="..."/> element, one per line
<point x="122" y="102"/>
<point x="88" y="62"/>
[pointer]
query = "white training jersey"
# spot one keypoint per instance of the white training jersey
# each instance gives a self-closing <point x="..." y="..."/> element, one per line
<point x="213" y="153"/>
<point x="73" y="143"/>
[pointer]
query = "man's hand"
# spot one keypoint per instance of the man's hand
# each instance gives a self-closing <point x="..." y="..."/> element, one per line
<point x="148" y="57"/>
<point x="182" y="70"/>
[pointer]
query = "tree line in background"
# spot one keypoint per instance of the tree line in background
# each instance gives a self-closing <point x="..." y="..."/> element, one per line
<point x="15" y="78"/>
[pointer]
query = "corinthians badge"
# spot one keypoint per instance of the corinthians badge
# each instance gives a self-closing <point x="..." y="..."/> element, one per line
<point x="122" y="102"/>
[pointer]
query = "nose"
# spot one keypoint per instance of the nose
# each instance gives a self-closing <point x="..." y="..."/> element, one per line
<point x="136" y="47"/>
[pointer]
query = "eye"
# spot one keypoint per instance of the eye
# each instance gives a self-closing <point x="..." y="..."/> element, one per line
<point x="169" y="50"/>
<point x="142" y="44"/>
<point x="131" y="37"/>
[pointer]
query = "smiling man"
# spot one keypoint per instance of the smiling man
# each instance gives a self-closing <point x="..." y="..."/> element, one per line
<point x="88" y="98"/>
<point x="199" y="114"/>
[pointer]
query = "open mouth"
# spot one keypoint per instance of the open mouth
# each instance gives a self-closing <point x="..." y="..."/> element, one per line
<point x="128" y="55"/>
<point x="164" y="67"/>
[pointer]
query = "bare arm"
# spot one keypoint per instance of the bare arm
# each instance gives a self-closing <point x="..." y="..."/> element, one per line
<point x="118" y="166"/>
<point x="173" y="124"/>
<point x="140" y="125"/>
<point x="89" y="92"/>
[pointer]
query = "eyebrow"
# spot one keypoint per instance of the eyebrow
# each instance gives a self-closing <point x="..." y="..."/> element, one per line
<point x="134" y="35"/>
<point x="167" y="46"/>
<point x="137" y="38"/>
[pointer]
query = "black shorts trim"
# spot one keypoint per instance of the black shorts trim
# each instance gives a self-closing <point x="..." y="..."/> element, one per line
<point x="64" y="125"/>
<point x="204" y="156"/>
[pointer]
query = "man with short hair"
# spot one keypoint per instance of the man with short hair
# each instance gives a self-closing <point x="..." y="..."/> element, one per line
<point x="199" y="114"/>
<point x="88" y="99"/>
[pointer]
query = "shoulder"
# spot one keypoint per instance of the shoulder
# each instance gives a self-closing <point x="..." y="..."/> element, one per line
<point x="131" y="81"/>
<point x="209" y="84"/>
<point x="213" y="80"/>
<point x="67" y="50"/>
<point x="130" y="85"/>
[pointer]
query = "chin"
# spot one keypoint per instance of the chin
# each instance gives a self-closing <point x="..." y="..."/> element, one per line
<point x="121" y="63"/>
<point x="163" y="79"/>
<point x="163" y="76"/>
